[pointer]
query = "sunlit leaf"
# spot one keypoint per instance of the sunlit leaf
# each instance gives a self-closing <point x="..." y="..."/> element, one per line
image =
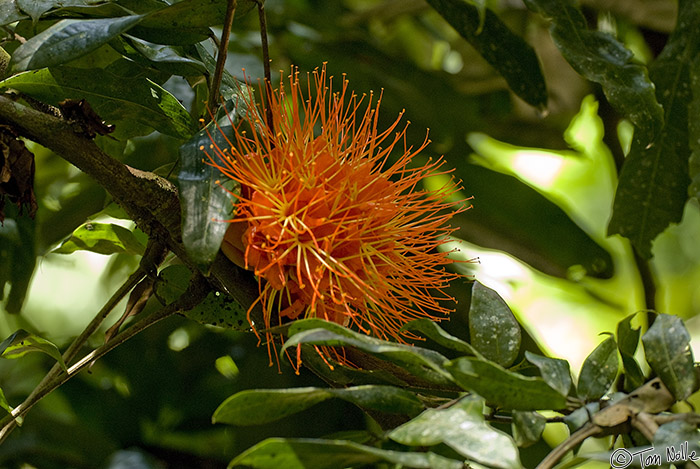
<point x="102" y="238"/>
<point x="22" y="342"/>
<point x="258" y="406"/>
<point x="508" y="53"/>
<point x="527" y="427"/>
<point x="654" y="181"/>
<point x="667" y="350"/>
<point x="462" y="428"/>
<point x="601" y="58"/>
<point x="275" y="453"/>
<point x="114" y="98"/>
<point x="503" y="388"/>
<point x="493" y="329"/>
<point x="68" y="40"/>
<point x="598" y="371"/>
<point x="555" y="371"/>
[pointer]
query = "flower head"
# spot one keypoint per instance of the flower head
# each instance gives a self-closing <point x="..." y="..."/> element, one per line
<point x="332" y="227"/>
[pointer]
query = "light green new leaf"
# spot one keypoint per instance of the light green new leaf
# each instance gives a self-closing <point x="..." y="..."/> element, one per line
<point x="654" y="181"/>
<point x="502" y="388"/>
<point x="554" y="371"/>
<point x="667" y="350"/>
<point x="22" y="342"/>
<point x="258" y="406"/>
<point x="275" y="453"/>
<point x="102" y="238"/>
<point x="432" y="331"/>
<point x="420" y="362"/>
<point x="462" y="428"/>
<point x="527" y="427"/>
<point x="598" y="371"/>
<point x="601" y="58"/>
<point x="627" y="341"/>
<point x="508" y="53"/>
<point x="116" y="99"/>
<point x="68" y="40"/>
<point x="3" y="402"/>
<point x="493" y="329"/>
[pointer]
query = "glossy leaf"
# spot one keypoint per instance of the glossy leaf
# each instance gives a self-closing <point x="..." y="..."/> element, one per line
<point x="259" y="406"/>
<point x="68" y="40"/>
<point x="694" y="131"/>
<point x="527" y="427"/>
<point x="493" y="329"/>
<point x="10" y="12"/>
<point x="116" y="99"/>
<point x="462" y="428"/>
<point x="598" y="371"/>
<point x="22" y="342"/>
<point x="508" y="53"/>
<point x="36" y="8"/>
<point x="654" y="181"/>
<point x="601" y="58"/>
<point x="668" y="352"/>
<point x="275" y="453"/>
<point x="627" y="341"/>
<point x="502" y="388"/>
<point x="162" y="57"/>
<point x="102" y="238"/>
<point x="421" y="362"/>
<point x="432" y="331"/>
<point x="554" y="371"/>
<point x="207" y="196"/>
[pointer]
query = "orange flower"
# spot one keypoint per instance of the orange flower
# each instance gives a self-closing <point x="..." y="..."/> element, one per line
<point x="330" y="225"/>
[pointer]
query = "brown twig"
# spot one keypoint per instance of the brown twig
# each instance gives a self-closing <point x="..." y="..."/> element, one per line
<point x="221" y="57"/>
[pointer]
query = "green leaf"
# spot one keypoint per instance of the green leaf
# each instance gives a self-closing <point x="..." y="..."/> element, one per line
<point x="527" y="427"/>
<point x="275" y="453"/>
<point x="116" y="99"/>
<point x="678" y="439"/>
<point x="554" y="371"/>
<point x="508" y="53"/>
<point x="17" y="257"/>
<point x="3" y="402"/>
<point x="259" y="406"/>
<point x="654" y="180"/>
<point x="102" y="238"/>
<point x="217" y="309"/>
<point x="22" y="342"/>
<point x="10" y="12"/>
<point x="493" y="329"/>
<point x="188" y="14"/>
<point x="668" y="352"/>
<point x="694" y="131"/>
<point x="598" y="371"/>
<point x="432" y="331"/>
<point x="165" y="58"/>
<point x="68" y="40"/>
<point x="502" y="388"/>
<point x="36" y="8"/>
<point x="601" y="58"/>
<point x="627" y="341"/>
<point x="421" y="362"/>
<point x="462" y="428"/>
<point x="207" y="196"/>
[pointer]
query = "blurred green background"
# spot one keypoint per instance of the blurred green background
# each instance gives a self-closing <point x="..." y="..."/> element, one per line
<point x="542" y="183"/>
